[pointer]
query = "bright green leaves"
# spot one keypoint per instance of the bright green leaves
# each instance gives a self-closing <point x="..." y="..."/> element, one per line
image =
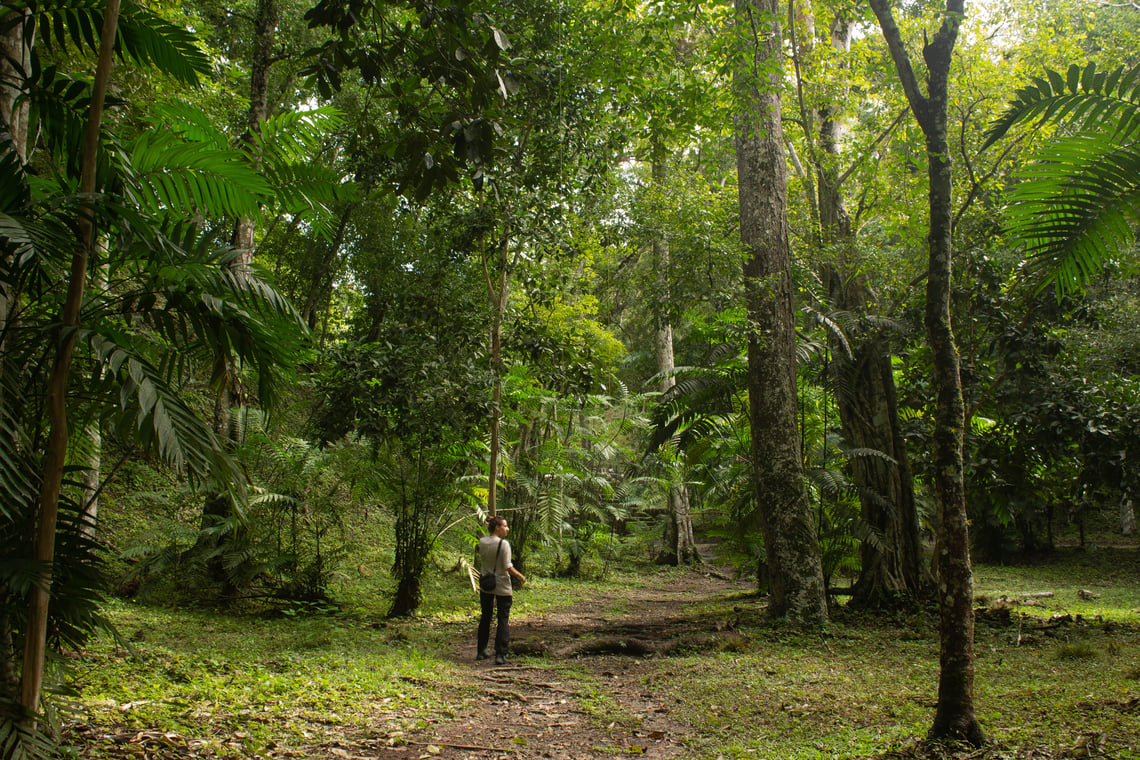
<point x="184" y="163"/>
<point x="1084" y="98"/>
<point x="1076" y="205"/>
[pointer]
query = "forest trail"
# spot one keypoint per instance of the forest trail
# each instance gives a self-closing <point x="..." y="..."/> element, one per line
<point x="587" y="690"/>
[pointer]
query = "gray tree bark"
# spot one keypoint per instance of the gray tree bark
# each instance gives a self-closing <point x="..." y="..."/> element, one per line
<point x="679" y="547"/>
<point x="795" y="570"/>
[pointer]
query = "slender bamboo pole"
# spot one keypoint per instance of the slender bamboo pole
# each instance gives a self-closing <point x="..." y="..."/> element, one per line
<point x="35" y="644"/>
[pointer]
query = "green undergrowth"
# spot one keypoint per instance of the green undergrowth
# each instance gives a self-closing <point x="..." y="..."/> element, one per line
<point x="256" y="685"/>
<point x="1057" y="675"/>
<point x="1049" y="675"/>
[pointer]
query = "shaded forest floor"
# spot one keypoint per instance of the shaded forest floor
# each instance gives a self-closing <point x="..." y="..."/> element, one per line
<point x="664" y="665"/>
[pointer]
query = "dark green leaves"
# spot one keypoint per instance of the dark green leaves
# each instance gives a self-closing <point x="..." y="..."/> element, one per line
<point x="143" y="37"/>
<point x="446" y="74"/>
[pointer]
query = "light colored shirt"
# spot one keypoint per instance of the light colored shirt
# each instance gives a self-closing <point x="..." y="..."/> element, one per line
<point x="488" y="548"/>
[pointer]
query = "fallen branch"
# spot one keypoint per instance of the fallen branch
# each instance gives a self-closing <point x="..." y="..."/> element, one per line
<point x="471" y="747"/>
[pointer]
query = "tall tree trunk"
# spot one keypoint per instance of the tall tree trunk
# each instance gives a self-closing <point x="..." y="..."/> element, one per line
<point x="891" y="569"/>
<point x="55" y="457"/>
<point x="15" y="63"/>
<point x="219" y="507"/>
<point x="92" y="468"/>
<point x="955" y="716"/>
<point x="264" y="33"/>
<point x="679" y="547"/>
<point x="328" y="267"/>
<point x="15" y="56"/>
<point x="794" y="565"/>
<point x="497" y="292"/>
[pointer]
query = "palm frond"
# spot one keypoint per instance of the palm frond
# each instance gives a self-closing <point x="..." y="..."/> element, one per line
<point x="1076" y="206"/>
<point x="189" y="123"/>
<point x="292" y="137"/>
<point x="57" y="105"/>
<point x="22" y="741"/>
<point x="189" y="296"/>
<point x="285" y="145"/>
<point x="151" y="41"/>
<point x="143" y="36"/>
<point x="155" y="415"/>
<point x="1084" y="98"/>
<point x="187" y="176"/>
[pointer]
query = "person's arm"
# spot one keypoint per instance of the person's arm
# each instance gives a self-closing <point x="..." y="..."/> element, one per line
<point x="511" y="568"/>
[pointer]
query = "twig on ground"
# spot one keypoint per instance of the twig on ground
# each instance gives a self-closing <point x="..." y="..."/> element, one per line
<point x="507" y="693"/>
<point x="472" y="747"/>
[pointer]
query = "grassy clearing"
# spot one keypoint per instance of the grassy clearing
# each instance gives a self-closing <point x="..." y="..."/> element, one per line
<point x="244" y="686"/>
<point x="252" y="686"/>
<point x="1054" y="674"/>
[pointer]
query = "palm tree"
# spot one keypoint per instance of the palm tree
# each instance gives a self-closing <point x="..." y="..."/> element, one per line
<point x="1077" y="204"/>
<point x="171" y="305"/>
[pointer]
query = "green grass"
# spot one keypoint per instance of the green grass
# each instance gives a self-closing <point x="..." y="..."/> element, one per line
<point x="245" y="683"/>
<point x="1111" y="575"/>
<point x="243" y="686"/>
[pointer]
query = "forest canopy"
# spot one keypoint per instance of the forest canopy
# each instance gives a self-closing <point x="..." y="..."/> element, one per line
<point x="839" y="296"/>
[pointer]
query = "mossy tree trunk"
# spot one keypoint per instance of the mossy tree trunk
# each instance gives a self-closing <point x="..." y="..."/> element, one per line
<point x="955" y="717"/>
<point x="794" y="565"/>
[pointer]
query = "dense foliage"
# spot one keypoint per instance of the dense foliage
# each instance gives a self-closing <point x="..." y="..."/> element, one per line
<point x="323" y="283"/>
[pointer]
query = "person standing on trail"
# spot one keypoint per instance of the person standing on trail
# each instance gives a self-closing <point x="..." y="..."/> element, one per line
<point x="495" y="556"/>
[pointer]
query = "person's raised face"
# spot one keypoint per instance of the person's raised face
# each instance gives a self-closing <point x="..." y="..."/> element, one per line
<point x="502" y="529"/>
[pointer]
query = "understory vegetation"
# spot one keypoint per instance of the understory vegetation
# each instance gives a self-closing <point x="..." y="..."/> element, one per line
<point x="758" y="330"/>
<point x="1058" y="670"/>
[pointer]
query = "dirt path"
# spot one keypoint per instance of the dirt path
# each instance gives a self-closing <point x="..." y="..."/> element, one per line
<point x="588" y="693"/>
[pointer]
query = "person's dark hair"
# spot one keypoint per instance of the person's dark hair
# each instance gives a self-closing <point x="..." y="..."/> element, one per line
<point x="494" y="522"/>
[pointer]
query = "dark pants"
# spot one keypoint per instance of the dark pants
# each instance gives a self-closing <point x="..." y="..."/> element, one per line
<point x="503" y="631"/>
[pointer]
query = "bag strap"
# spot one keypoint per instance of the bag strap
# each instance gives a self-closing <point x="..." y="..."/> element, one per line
<point x="497" y="553"/>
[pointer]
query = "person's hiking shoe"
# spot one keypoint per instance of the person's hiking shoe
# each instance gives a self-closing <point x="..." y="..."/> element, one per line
<point x="500" y="659"/>
<point x="481" y="656"/>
